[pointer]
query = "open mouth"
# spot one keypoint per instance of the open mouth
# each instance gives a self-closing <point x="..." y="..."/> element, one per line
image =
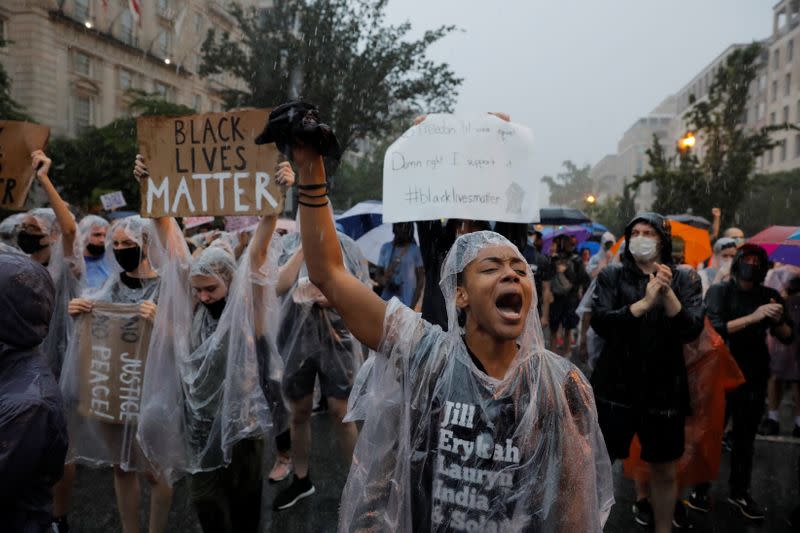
<point x="509" y="305"/>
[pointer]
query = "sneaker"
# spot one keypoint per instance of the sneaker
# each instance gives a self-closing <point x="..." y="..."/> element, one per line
<point x="699" y="500"/>
<point x="796" y="432"/>
<point x="680" y="518"/>
<point x="299" y="489"/>
<point x="643" y="513"/>
<point x="769" y="427"/>
<point x="281" y="469"/>
<point x="747" y="506"/>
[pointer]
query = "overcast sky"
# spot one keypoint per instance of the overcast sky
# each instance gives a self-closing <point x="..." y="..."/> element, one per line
<point x="580" y="72"/>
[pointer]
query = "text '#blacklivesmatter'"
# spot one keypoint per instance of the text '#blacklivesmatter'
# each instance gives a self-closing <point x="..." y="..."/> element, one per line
<point x="474" y="474"/>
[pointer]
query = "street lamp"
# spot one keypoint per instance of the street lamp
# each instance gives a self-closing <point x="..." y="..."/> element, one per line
<point x="590" y="199"/>
<point x="687" y="142"/>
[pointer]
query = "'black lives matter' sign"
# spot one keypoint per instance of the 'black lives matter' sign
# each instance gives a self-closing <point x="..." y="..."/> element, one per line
<point x="208" y="165"/>
<point x="17" y="141"/>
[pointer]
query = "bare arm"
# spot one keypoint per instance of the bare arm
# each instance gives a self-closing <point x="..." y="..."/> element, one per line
<point x="168" y="235"/>
<point x="420" y="285"/>
<point x="716" y="213"/>
<point x="362" y="310"/>
<point x="261" y="240"/>
<point x="69" y="230"/>
<point x="289" y="272"/>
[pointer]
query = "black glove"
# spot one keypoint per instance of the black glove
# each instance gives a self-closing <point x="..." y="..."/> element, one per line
<point x="299" y="121"/>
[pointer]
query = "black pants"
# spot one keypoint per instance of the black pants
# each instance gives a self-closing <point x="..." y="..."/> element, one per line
<point x="228" y="500"/>
<point x="746" y="406"/>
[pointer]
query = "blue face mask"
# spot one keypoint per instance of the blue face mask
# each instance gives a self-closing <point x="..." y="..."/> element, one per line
<point x="530" y="240"/>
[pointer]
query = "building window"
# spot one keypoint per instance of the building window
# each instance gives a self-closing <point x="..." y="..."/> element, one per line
<point x="782" y="147"/>
<point x="762" y="83"/>
<point x="163" y="90"/>
<point x="81" y="10"/>
<point x="2" y="29"/>
<point x="786" y="114"/>
<point x="787" y="85"/>
<point x="81" y="63"/>
<point x="197" y="102"/>
<point x="165" y="43"/>
<point x="772" y="119"/>
<point x="125" y="79"/>
<point x="774" y="90"/>
<point x="769" y="156"/>
<point x="797" y="146"/>
<point x="761" y="109"/>
<point x="776" y="59"/>
<point x="126" y="27"/>
<point x="83" y="113"/>
<point x="790" y="51"/>
<point x="198" y="22"/>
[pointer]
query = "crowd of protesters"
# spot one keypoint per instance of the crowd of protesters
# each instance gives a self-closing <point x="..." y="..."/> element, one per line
<point x="465" y="416"/>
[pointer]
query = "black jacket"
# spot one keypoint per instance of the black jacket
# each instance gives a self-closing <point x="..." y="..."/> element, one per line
<point x="641" y="364"/>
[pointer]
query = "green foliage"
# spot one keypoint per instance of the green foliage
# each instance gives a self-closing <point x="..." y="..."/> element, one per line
<point x="772" y="200"/>
<point x="723" y="177"/>
<point x="361" y="179"/>
<point x="571" y="187"/>
<point x="9" y="109"/>
<point x="101" y="159"/>
<point x="615" y="212"/>
<point x="340" y="55"/>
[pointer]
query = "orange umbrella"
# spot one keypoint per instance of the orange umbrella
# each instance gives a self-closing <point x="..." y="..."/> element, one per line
<point x="698" y="243"/>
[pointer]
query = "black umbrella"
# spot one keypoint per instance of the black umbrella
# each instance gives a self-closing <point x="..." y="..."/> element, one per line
<point x="562" y="216"/>
<point x="691" y="220"/>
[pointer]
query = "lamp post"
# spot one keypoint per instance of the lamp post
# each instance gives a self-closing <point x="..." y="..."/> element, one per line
<point x="687" y="142"/>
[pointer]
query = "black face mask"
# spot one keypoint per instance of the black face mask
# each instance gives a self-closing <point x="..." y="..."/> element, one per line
<point x="747" y="272"/>
<point x="215" y="309"/>
<point x="96" y="250"/>
<point x="129" y="258"/>
<point x="30" y="243"/>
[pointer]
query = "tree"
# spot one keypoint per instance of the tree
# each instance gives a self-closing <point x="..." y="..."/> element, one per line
<point x="772" y="200"/>
<point x="363" y="74"/>
<point x="9" y="109"/>
<point x="100" y="160"/>
<point x="615" y="212"/>
<point x="723" y="176"/>
<point x="571" y="187"/>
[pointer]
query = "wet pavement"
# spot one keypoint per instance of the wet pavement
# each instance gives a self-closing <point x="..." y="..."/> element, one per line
<point x="774" y="486"/>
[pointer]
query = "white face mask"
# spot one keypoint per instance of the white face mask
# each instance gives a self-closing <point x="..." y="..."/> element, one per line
<point x="725" y="263"/>
<point x="643" y="249"/>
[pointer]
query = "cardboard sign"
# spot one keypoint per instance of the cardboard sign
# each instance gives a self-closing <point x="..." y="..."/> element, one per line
<point x="476" y="167"/>
<point x="193" y="222"/>
<point x="113" y="347"/>
<point x="208" y="165"/>
<point x="236" y="224"/>
<point x="17" y="141"/>
<point x="113" y="200"/>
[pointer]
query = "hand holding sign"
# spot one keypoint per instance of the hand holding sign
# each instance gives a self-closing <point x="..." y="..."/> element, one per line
<point x="41" y="164"/>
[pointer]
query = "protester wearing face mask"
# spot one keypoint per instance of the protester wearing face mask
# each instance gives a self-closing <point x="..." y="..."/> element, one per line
<point x="736" y="234"/>
<point x="724" y="250"/>
<point x="92" y="230"/>
<point x="742" y="310"/>
<point x="644" y="309"/>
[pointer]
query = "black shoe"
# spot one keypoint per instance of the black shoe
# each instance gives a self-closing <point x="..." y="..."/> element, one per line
<point x="747" y="506"/>
<point x="680" y="518"/>
<point x="299" y="489"/>
<point x="699" y="500"/>
<point x="643" y="513"/>
<point x="796" y="432"/>
<point x="769" y="427"/>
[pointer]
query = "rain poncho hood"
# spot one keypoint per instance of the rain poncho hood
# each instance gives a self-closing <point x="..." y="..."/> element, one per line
<point x="8" y="233"/>
<point x="33" y="437"/>
<point x="445" y="447"/>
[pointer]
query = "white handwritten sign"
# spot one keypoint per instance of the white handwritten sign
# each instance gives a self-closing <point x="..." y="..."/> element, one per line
<point x="476" y="167"/>
<point x="113" y="200"/>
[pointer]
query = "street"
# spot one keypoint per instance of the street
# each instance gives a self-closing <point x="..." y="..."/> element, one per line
<point x="774" y="486"/>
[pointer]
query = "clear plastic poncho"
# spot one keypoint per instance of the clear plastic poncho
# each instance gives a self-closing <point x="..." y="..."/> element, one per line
<point x="444" y="447"/>
<point x="231" y="376"/>
<point x="68" y="272"/>
<point x="156" y="386"/>
<point x="312" y="337"/>
<point x="97" y="269"/>
<point x="8" y="234"/>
